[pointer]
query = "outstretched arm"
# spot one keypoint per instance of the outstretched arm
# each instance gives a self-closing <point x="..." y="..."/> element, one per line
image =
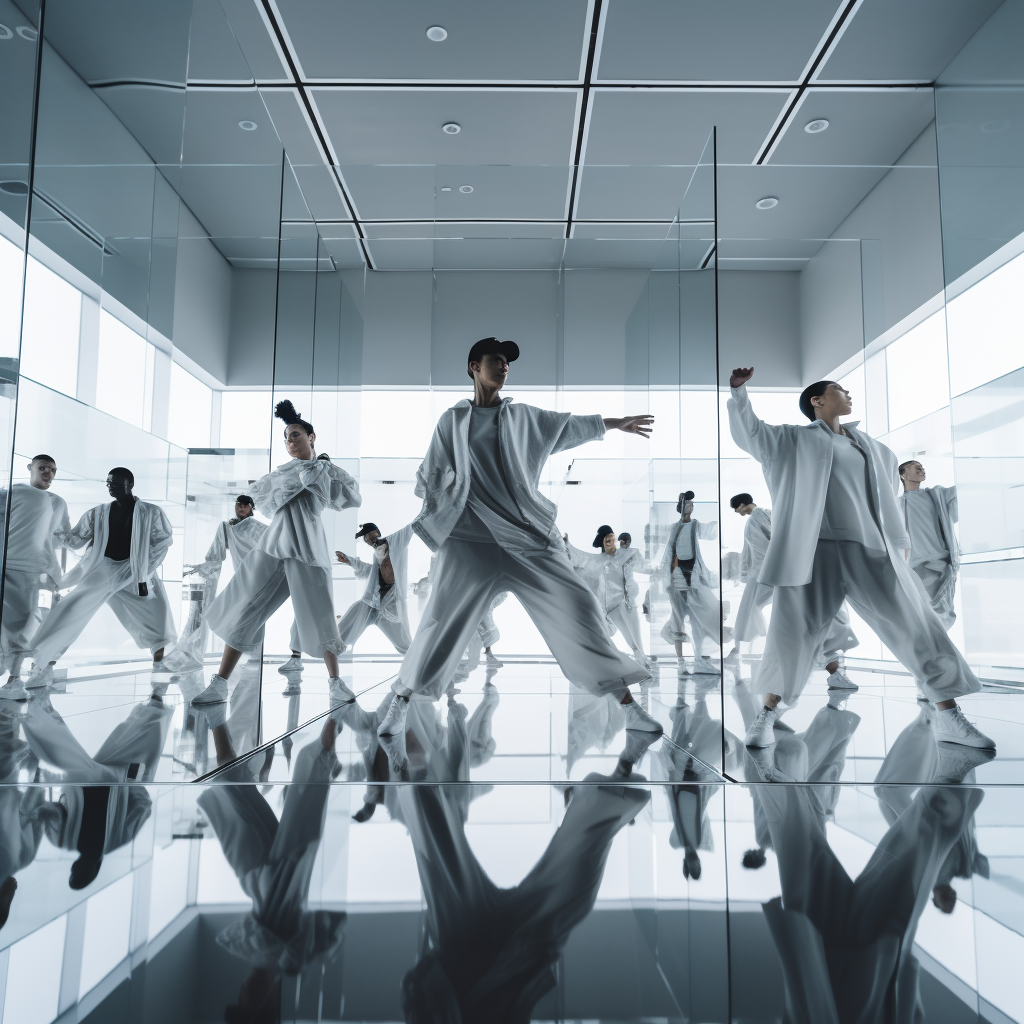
<point x="642" y="425"/>
<point x="753" y="435"/>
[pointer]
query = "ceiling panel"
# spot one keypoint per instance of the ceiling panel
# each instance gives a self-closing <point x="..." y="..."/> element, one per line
<point x="866" y="126"/>
<point x="904" y="41"/>
<point x="616" y="231"/>
<point x="472" y="230"/>
<point x="367" y="40"/>
<point x="499" y="193"/>
<point x="631" y="193"/>
<point x="403" y="126"/>
<point x="697" y="41"/>
<point x="214" y="54"/>
<point x="671" y="126"/>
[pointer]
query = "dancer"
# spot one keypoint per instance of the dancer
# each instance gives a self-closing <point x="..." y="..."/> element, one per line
<point x="126" y="542"/>
<point x="607" y="575"/>
<point x="750" y="623"/>
<point x="493" y="531"/>
<point x="837" y="533"/>
<point x="290" y="558"/>
<point x="383" y="602"/>
<point x="35" y="538"/>
<point x="691" y="587"/>
<point x="928" y="515"/>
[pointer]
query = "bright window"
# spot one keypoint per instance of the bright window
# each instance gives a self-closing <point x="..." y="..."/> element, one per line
<point x="245" y="419"/>
<point x="12" y="266"/>
<point x="108" y="919"/>
<point x="917" y="372"/>
<point x="53" y="315"/>
<point x="124" y="384"/>
<point x="33" y="975"/>
<point x="188" y="419"/>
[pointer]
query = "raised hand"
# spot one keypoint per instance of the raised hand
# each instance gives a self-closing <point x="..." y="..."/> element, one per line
<point x="740" y="376"/>
<point x="639" y="425"/>
<point x="342" y="558"/>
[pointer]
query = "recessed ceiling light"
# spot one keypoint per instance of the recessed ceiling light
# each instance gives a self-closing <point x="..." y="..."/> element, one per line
<point x="466" y="188"/>
<point x="819" y="124"/>
<point x="247" y="126"/>
<point x="5" y="32"/>
<point x="14" y="188"/>
<point x="436" y="34"/>
<point x="445" y="188"/>
<point x="451" y="128"/>
<point x="27" y="33"/>
<point x="767" y="203"/>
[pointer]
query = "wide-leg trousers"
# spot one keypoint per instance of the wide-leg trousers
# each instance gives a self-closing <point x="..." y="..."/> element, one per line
<point x="360" y="616"/>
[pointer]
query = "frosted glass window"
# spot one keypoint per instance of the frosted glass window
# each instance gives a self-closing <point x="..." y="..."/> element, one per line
<point x="169" y="892"/>
<point x="124" y="384"/>
<point x="33" y="975"/>
<point x="397" y="424"/>
<point x="12" y="266"/>
<point x="986" y="328"/>
<point x="917" y="372"/>
<point x="108" y="920"/>
<point x="245" y="419"/>
<point x="53" y="317"/>
<point x="188" y="419"/>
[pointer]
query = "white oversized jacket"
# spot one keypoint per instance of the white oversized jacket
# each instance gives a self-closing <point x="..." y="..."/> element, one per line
<point x="797" y="463"/>
<point x="757" y="533"/>
<point x="151" y="539"/>
<point x="701" y="575"/>
<point x="398" y="552"/>
<point x="239" y="538"/>
<point x="947" y="509"/>
<point x="526" y="437"/>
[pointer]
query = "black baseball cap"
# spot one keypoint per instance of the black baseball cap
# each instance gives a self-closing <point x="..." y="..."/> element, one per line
<point x="366" y="528"/>
<point x="602" y="532"/>
<point x="493" y="347"/>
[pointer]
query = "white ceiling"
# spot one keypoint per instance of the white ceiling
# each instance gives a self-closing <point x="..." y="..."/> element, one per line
<point x="581" y="120"/>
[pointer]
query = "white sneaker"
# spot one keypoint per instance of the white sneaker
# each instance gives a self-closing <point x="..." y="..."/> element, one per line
<point x="732" y="660"/>
<point x="952" y="727"/>
<point x="839" y="680"/>
<point x="637" y="720"/>
<point x="293" y="664"/>
<point x="215" y="693"/>
<point x="956" y="761"/>
<point x="394" y="720"/>
<point x="40" y="678"/>
<point x="493" y="662"/>
<point x="13" y="690"/>
<point x="704" y="665"/>
<point x="340" y="693"/>
<point x="762" y="729"/>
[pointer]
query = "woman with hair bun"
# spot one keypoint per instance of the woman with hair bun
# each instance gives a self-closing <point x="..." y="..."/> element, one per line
<point x="291" y="558"/>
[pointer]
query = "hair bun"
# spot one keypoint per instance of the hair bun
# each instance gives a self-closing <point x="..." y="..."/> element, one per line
<point x="284" y="410"/>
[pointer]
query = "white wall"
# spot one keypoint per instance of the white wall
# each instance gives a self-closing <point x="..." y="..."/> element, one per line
<point x="759" y="324"/>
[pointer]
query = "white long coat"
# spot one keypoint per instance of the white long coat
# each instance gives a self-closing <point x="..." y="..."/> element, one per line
<point x="398" y="552"/>
<point x="797" y="463"/>
<point x="526" y="437"/>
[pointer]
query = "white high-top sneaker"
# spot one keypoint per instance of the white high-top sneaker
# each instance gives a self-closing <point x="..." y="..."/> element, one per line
<point x="215" y="693"/>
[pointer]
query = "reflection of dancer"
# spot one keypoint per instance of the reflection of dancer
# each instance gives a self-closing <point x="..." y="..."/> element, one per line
<point x="494" y="532"/>
<point x="387" y="577"/>
<point x="126" y="542"/>
<point x="607" y="574"/>
<point x="837" y="533"/>
<point x="38" y="525"/>
<point x="928" y="515"/>
<point x="273" y="860"/>
<point x="636" y="564"/>
<point x="691" y="586"/>
<point x="492" y="952"/>
<point x="750" y="622"/>
<point x="237" y="537"/>
<point x="102" y="805"/>
<point x="290" y="559"/>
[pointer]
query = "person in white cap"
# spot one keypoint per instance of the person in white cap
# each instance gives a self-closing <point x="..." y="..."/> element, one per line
<point x="291" y="558"/>
<point x="607" y="572"/>
<point x="929" y="514"/>
<point x="837" y="534"/>
<point x="35" y="539"/>
<point x="493" y="531"/>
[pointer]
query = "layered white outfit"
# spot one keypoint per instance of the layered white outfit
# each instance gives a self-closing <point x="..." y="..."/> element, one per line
<point x="494" y="532"/>
<point x="837" y="533"/>
<point x="38" y="525"/>
<point x="99" y="580"/>
<point x="928" y="516"/>
<point x="608" y="576"/>
<point x="750" y="622"/>
<point x="290" y="559"/>
<point x="691" y="586"/>
<point x="381" y="606"/>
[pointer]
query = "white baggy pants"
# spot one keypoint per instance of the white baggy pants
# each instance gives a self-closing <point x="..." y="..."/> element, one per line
<point x="702" y="606"/>
<point x="360" y="616"/>
<point x="147" y="619"/>
<point x="628" y="624"/>
<point x="21" y="613"/>
<point x="468" y="576"/>
<point x="260" y="586"/>
<point x="940" y="585"/>
<point x="802" y="617"/>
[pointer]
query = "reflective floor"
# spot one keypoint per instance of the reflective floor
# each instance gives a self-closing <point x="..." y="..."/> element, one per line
<point x="266" y="863"/>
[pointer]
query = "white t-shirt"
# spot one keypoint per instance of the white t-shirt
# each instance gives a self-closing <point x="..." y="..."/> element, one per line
<point x="927" y="544"/>
<point x="38" y="520"/>
<point x="848" y="514"/>
<point x="684" y="542"/>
